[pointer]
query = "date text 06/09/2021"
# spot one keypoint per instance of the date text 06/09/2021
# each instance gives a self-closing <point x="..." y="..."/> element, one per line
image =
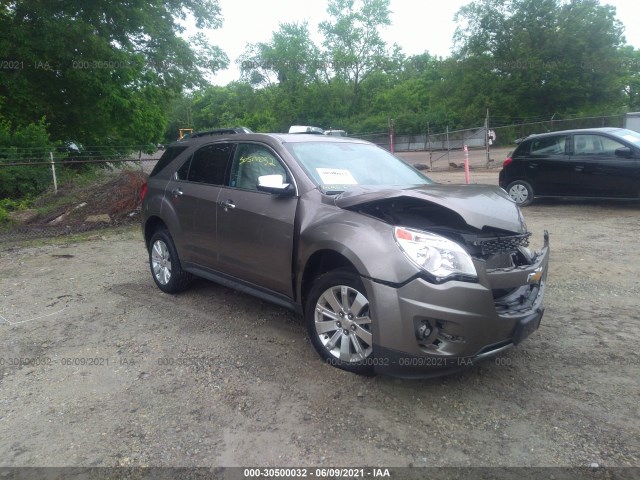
<point x="316" y="472"/>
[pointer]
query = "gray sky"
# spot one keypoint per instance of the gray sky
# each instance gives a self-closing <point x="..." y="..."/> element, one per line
<point x="417" y="25"/>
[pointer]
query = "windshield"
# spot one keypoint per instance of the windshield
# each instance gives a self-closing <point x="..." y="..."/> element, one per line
<point x="338" y="166"/>
<point x="628" y="135"/>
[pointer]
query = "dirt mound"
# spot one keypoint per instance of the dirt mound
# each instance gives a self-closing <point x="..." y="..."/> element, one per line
<point x="111" y="199"/>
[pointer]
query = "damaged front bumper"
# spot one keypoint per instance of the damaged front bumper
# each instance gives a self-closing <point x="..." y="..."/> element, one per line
<point x="425" y="329"/>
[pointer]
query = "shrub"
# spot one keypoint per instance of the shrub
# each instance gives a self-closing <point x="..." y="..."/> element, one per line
<point x="30" y="143"/>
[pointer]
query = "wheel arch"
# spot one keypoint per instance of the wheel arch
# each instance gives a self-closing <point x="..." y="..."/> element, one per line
<point x="152" y="225"/>
<point x="320" y="262"/>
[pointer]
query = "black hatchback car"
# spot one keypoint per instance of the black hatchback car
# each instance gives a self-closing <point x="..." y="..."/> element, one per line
<point x="595" y="162"/>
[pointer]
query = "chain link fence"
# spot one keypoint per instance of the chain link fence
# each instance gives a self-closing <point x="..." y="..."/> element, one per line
<point x="445" y="149"/>
<point x="449" y="139"/>
<point x="510" y="134"/>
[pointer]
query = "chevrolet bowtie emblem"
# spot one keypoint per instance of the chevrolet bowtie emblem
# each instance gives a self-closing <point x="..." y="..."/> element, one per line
<point x="535" y="277"/>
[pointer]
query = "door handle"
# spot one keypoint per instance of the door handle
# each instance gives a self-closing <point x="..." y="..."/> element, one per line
<point x="227" y="205"/>
<point x="578" y="168"/>
<point x="177" y="192"/>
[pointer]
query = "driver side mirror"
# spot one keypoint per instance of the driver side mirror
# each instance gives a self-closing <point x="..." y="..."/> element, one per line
<point x="275" y="184"/>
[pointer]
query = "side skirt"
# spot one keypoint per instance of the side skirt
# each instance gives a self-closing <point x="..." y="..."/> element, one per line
<point x="244" y="287"/>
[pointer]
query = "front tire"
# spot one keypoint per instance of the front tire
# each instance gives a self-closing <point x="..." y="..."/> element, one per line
<point x="339" y="322"/>
<point x="520" y="192"/>
<point x="165" y="264"/>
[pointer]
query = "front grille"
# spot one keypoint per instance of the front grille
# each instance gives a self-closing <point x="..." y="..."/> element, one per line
<point x="494" y="245"/>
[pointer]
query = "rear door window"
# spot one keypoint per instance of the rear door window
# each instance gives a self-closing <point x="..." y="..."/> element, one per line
<point x="209" y="164"/>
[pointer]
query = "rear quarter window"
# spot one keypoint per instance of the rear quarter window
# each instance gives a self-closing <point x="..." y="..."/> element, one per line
<point x="166" y="158"/>
<point x="542" y="147"/>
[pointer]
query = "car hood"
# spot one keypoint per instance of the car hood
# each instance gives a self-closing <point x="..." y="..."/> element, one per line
<point x="479" y="205"/>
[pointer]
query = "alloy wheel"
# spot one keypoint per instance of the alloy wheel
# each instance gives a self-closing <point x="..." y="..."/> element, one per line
<point x="343" y="324"/>
<point x="161" y="262"/>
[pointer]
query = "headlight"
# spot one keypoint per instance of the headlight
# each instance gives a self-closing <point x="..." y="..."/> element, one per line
<point x="437" y="255"/>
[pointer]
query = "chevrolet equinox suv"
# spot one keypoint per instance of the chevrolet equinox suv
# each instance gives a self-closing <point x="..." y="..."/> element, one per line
<point x="392" y="272"/>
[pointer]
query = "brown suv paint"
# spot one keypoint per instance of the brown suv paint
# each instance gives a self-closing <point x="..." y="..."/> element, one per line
<point x="392" y="272"/>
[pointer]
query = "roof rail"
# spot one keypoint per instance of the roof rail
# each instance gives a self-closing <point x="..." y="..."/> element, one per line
<point x="219" y="131"/>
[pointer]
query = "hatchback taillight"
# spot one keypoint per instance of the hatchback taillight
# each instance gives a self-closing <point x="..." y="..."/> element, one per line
<point x="507" y="162"/>
<point x="143" y="191"/>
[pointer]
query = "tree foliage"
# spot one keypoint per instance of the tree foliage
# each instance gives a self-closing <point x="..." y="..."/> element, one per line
<point x="294" y="80"/>
<point x="290" y="58"/>
<point x="535" y="57"/>
<point x="102" y="70"/>
<point x="122" y="72"/>
<point x="352" y="37"/>
<point x="517" y="58"/>
<point x="353" y="46"/>
<point x="27" y="143"/>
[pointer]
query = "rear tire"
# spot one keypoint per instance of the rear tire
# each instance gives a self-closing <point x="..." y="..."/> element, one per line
<point x="339" y="323"/>
<point x="165" y="264"/>
<point x="520" y="192"/>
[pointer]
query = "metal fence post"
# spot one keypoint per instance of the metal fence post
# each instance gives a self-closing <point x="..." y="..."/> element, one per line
<point x="448" y="149"/>
<point x="53" y="171"/>
<point x="428" y="147"/>
<point x="466" y="165"/>
<point x="486" y="137"/>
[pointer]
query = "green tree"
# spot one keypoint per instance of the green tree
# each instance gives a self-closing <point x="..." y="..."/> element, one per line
<point x="180" y="115"/>
<point x="286" y="66"/>
<point x="102" y="71"/>
<point x="536" y="57"/>
<point x="237" y="104"/>
<point x="353" y="46"/>
<point x="289" y="58"/>
<point x="30" y="143"/>
<point x="631" y="80"/>
<point x="406" y="95"/>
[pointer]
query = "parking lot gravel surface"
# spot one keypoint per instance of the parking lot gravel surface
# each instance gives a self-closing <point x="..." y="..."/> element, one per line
<point x="99" y="368"/>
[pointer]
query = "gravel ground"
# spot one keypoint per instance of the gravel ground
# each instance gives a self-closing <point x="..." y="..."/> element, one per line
<point x="99" y="368"/>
